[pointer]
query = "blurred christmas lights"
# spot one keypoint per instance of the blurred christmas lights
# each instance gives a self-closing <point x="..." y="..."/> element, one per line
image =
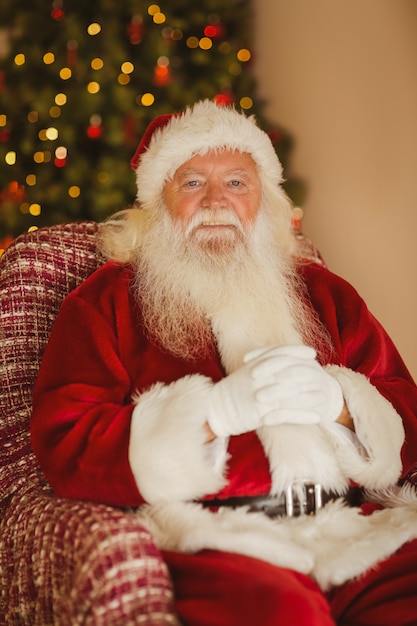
<point x="157" y="65"/>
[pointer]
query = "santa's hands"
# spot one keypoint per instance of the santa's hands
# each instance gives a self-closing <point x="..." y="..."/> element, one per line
<point x="303" y="393"/>
<point x="275" y="385"/>
<point x="243" y="400"/>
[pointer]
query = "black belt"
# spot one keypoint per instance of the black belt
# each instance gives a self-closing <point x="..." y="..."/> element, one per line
<point x="301" y="498"/>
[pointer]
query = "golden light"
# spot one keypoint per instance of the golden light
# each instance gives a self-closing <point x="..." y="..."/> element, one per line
<point x="93" y="87"/>
<point x="35" y="209"/>
<point x="244" y="55"/>
<point x="31" y="180"/>
<point x="192" y="42"/>
<point x="54" y="112"/>
<point x="61" y="152"/>
<point x="74" y="191"/>
<point x="123" y="79"/>
<point x="177" y="34"/>
<point x="3" y="119"/>
<point x="205" y="43"/>
<point x="51" y="133"/>
<point x="33" y="117"/>
<point x="94" y="29"/>
<point x="127" y="67"/>
<point x="48" y="58"/>
<point x="20" y="59"/>
<point x="10" y="157"/>
<point x="147" y="99"/>
<point x="246" y="102"/>
<point x="153" y="9"/>
<point x="159" y="18"/>
<point x="97" y="64"/>
<point x="60" y="99"/>
<point x="65" y="73"/>
<point x="39" y="157"/>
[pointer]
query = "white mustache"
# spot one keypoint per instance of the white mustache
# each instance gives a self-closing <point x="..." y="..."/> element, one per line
<point x="213" y="217"/>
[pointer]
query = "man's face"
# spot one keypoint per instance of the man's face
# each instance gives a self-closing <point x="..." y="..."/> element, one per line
<point x="215" y="196"/>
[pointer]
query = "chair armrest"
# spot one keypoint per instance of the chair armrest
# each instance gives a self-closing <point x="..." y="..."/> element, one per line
<point x="86" y="563"/>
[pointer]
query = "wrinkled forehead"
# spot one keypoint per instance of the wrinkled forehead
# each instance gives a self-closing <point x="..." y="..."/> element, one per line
<point x="220" y="158"/>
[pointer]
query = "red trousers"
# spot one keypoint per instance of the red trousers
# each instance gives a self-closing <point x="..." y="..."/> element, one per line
<point x="223" y="589"/>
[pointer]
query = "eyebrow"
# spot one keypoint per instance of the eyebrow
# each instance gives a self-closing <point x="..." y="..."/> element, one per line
<point x="189" y="171"/>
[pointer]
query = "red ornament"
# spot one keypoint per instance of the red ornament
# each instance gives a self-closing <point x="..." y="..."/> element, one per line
<point x="135" y="30"/>
<point x="94" y="132"/>
<point x="210" y="31"/>
<point x="161" y="75"/>
<point x="214" y="31"/>
<point x="57" y="14"/>
<point x="72" y="53"/>
<point x="224" y="98"/>
<point x="95" y="129"/>
<point x="13" y="192"/>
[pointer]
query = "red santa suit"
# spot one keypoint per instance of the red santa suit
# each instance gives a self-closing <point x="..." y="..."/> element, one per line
<point x="118" y="420"/>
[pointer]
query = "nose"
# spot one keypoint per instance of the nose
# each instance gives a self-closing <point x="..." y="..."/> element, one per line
<point x="214" y="197"/>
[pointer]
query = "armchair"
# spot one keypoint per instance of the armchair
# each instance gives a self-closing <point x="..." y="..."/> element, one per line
<point x="62" y="562"/>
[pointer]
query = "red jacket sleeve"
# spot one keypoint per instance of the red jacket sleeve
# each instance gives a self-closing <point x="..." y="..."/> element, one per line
<point x="362" y="345"/>
<point x="82" y="400"/>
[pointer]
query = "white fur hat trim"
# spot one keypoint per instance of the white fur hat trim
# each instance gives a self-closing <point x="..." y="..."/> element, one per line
<point x="205" y="126"/>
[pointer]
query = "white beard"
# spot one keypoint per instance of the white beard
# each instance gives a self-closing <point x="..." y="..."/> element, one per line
<point x="235" y="286"/>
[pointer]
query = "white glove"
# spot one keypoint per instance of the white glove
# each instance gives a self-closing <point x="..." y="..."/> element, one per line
<point x="240" y="402"/>
<point x="303" y="393"/>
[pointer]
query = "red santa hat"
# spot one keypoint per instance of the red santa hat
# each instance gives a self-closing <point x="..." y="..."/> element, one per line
<point x="172" y="139"/>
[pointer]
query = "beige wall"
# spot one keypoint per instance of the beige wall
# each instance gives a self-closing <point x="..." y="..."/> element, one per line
<point x="341" y="76"/>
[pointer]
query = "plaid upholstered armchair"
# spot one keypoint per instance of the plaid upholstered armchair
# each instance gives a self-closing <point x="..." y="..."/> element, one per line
<point x="61" y="562"/>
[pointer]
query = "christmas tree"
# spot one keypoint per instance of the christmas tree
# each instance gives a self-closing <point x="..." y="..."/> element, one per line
<point x="80" y="81"/>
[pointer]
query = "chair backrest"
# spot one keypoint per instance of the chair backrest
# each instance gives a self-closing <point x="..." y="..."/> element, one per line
<point x="36" y="272"/>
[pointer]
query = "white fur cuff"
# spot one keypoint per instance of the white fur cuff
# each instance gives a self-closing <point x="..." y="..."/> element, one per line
<point x="378" y="427"/>
<point x="167" y="451"/>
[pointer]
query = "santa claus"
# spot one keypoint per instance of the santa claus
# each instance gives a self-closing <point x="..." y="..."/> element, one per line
<point x="244" y="401"/>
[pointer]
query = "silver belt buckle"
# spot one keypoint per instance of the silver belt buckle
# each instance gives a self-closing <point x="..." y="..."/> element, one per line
<point x="303" y="497"/>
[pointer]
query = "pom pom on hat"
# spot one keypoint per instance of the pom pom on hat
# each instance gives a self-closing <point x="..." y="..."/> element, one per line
<point x="172" y="139"/>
